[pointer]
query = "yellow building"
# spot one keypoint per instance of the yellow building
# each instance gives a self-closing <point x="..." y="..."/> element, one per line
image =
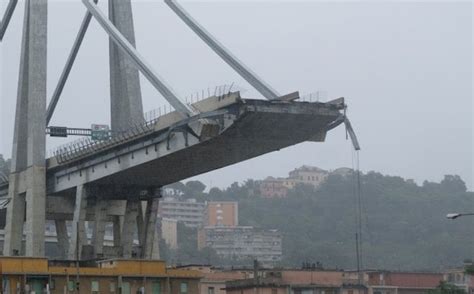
<point x="38" y="275"/>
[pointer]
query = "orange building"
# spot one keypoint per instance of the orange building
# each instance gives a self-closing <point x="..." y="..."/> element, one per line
<point x="223" y="213"/>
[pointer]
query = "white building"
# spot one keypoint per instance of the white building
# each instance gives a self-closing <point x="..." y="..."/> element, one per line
<point x="243" y="243"/>
<point x="169" y="232"/>
<point x="190" y="212"/>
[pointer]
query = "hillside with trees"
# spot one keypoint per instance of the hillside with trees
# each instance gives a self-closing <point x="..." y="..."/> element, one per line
<point x="403" y="224"/>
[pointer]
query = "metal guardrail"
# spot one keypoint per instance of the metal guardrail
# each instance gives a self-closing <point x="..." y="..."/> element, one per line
<point x="87" y="146"/>
<point x="318" y="96"/>
<point x="215" y="91"/>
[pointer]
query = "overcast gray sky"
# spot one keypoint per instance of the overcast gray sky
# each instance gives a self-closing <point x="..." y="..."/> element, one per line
<point x="404" y="68"/>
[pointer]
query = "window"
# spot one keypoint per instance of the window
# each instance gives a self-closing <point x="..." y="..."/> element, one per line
<point x="95" y="286"/>
<point x="70" y="286"/>
<point x="112" y="287"/>
<point x="210" y="290"/>
<point x="156" y="287"/>
<point x="183" y="288"/>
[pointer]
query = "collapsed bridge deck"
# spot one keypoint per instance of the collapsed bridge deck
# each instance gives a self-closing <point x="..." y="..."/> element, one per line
<point x="228" y="130"/>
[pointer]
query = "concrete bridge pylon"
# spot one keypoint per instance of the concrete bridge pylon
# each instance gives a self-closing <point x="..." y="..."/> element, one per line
<point x="26" y="211"/>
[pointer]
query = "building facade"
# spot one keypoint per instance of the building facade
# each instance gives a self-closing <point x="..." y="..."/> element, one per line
<point x="386" y="282"/>
<point x="223" y="213"/>
<point x="169" y="232"/>
<point x="295" y="282"/>
<point x="214" y="280"/>
<point x="244" y="243"/>
<point x="278" y="187"/>
<point x="38" y="275"/>
<point x="460" y="278"/>
<point x="274" y="188"/>
<point x="309" y="175"/>
<point x="189" y="212"/>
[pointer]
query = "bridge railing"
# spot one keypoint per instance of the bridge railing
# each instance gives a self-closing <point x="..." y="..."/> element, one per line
<point x="86" y="146"/>
<point x="318" y="96"/>
<point x="217" y="91"/>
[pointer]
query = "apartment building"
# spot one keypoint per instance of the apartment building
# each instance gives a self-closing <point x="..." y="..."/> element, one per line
<point x="243" y="243"/>
<point x="169" y="232"/>
<point x="189" y="212"/>
<point x="222" y="213"/>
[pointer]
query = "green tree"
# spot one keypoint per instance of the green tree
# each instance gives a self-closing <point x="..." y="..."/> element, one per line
<point x="194" y="189"/>
<point x="453" y="184"/>
<point x="179" y="188"/>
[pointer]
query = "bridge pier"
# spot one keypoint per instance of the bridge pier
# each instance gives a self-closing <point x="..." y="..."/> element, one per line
<point x="15" y="219"/>
<point x="150" y="241"/>
<point x="131" y="211"/>
<point x="99" y="228"/>
<point x="62" y="237"/>
<point x="78" y="236"/>
<point x="129" y="226"/>
<point x="29" y="142"/>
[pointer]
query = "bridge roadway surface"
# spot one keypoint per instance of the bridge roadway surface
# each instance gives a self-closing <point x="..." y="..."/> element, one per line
<point x="228" y="130"/>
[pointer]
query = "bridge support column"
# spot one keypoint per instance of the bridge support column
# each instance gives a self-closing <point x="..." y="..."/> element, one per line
<point x="150" y="245"/>
<point x="99" y="227"/>
<point x="15" y="219"/>
<point x="61" y="235"/>
<point x="78" y="222"/>
<point x="117" y="230"/>
<point x="129" y="226"/>
<point x="141" y="224"/>
<point x="29" y="141"/>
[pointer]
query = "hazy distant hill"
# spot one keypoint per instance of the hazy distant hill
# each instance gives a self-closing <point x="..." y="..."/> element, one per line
<point x="404" y="225"/>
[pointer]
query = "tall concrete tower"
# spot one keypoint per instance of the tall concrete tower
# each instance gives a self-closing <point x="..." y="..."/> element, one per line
<point x="125" y="94"/>
<point x="28" y="171"/>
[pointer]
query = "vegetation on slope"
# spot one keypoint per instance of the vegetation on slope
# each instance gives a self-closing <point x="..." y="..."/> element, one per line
<point x="404" y="225"/>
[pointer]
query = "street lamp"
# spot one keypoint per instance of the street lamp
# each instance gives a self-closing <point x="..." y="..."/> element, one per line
<point x="456" y="215"/>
